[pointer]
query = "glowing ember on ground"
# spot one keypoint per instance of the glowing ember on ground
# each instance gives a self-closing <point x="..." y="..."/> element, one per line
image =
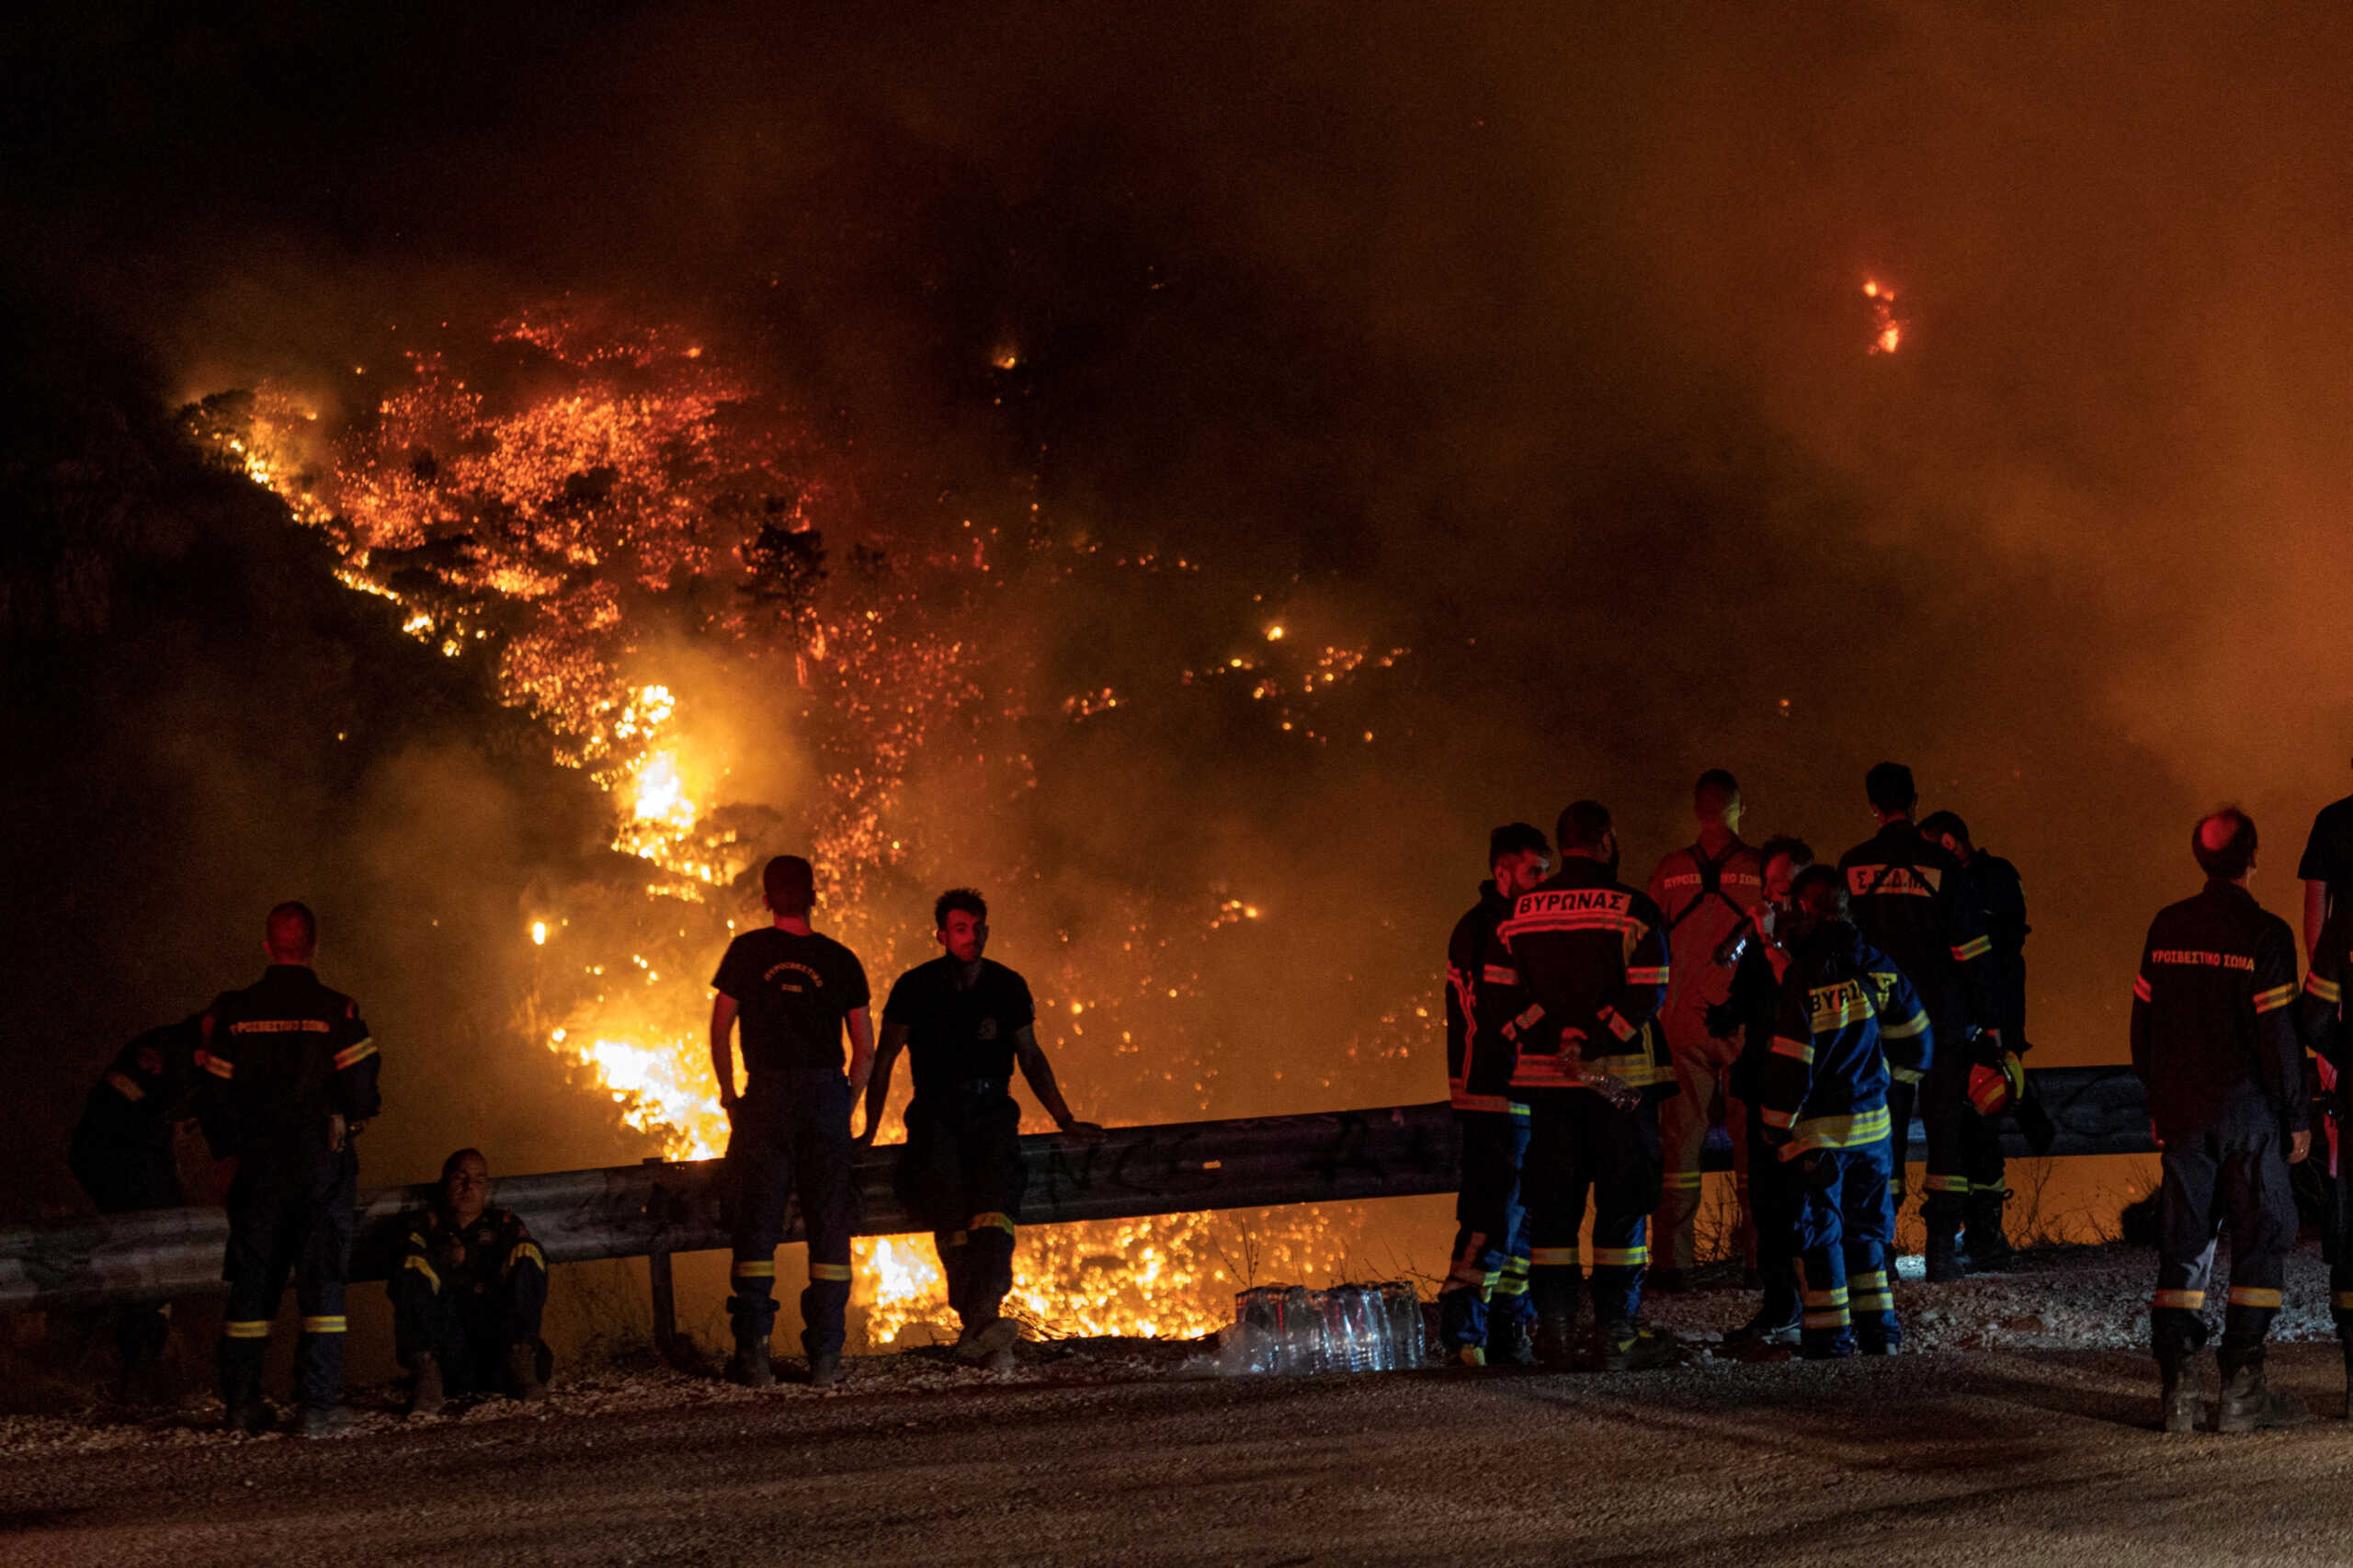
<point x="1888" y="335"/>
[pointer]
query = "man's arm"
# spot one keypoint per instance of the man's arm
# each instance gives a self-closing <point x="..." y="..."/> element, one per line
<point x="1646" y="978"/>
<point x="861" y="1050"/>
<point x="877" y="1084"/>
<point x="2315" y="913"/>
<point x="1032" y="1056"/>
<point x="722" y="1053"/>
<point x="2281" y="1050"/>
<point x="1788" y="1075"/>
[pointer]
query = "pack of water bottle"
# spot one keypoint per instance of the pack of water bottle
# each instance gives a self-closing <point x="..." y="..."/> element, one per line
<point x="1348" y="1328"/>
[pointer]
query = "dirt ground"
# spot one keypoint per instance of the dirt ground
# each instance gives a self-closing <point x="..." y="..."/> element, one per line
<point x="2001" y="1450"/>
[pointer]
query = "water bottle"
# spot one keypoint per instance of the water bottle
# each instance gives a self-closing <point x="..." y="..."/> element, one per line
<point x="1403" y="1305"/>
<point x="1258" y="1315"/>
<point x="1303" y="1332"/>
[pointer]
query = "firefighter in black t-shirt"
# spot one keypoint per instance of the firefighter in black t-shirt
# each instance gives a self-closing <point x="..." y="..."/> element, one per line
<point x="2215" y="1041"/>
<point x="795" y="990"/>
<point x="288" y="1078"/>
<point x="965" y="1022"/>
<point x="2327" y="867"/>
<point x="122" y="1154"/>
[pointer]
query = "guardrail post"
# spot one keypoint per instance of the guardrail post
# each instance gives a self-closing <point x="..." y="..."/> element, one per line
<point x="665" y="1296"/>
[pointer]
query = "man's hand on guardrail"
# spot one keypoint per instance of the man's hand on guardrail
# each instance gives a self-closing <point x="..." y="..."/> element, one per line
<point x="1083" y="1134"/>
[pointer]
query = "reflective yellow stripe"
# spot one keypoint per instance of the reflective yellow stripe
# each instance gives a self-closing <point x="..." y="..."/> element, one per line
<point x="1500" y="974"/>
<point x="1917" y="1022"/>
<point x="1648" y="976"/>
<point x="1493" y="1105"/>
<point x="1778" y="1119"/>
<point x="754" y="1269"/>
<point x="1684" y="1178"/>
<point x="349" y="1054"/>
<point x="1833" y="1317"/>
<point x="1874" y="1280"/>
<point x="1795" y="1050"/>
<point x="1945" y="1184"/>
<point x="324" y="1325"/>
<point x="836" y="1272"/>
<point x="2277" y="997"/>
<point x="1826" y="1298"/>
<point x="1904" y="1074"/>
<point x="2253" y="1296"/>
<point x="252" y="1328"/>
<point x="1000" y="1222"/>
<point x="528" y="1252"/>
<point x="2185" y="1300"/>
<point x="1510" y="1284"/>
<point x="1617" y="1025"/>
<point x="417" y="1263"/>
<point x="2326" y="990"/>
<point x="123" y="1084"/>
<point x="1841" y="1131"/>
<point x="1552" y="1257"/>
<point x="215" y="1065"/>
<point x="1975" y="947"/>
<point x="1620" y="1258"/>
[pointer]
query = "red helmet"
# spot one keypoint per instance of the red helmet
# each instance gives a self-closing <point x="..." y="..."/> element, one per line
<point x="1995" y="1087"/>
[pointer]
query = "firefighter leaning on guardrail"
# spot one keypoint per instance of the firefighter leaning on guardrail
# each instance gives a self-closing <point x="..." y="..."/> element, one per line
<point x="1848" y="1018"/>
<point x="287" y="1079"/>
<point x="1484" y="1308"/>
<point x="122" y="1153"/>
<point x="2215" y="1041"/>
<point x="2323" y="1022"/>
<point x="1591" y="969"/>
<point x="467" y="1295"/>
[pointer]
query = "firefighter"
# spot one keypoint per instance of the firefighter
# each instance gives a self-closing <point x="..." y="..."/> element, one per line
<point x="1589" y="960"/>
<point x="1991" y="886"/>
<point x="287" y="1080"/>
<point x="1484" y="1309"/>
<point x="1904" y="896"/>
<point x="1848" y="1018"/>
<point x="2322" y="1019"/>
<point x="122" y="1153"/>
<point x="966" y="1021"/>
<point x="1758" y="956"/>
<point x="2326" y="869"/>
<point x="467" y="1295"/>
<point x="2215" y="1042"/>
<point x="795" y="992"/>
<point x="1705" y="890"/>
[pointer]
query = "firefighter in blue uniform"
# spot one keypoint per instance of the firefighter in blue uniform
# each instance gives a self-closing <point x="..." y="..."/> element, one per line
<point x="1904" y="896"/>
<point x="795" y="994"/>
<point x="2215" y="1040"/>
<point x="1485" y="1312"/>
<point x="967" y="1022"/>
<point x="1589" y="959"/>
<point x="467" y="1295"/>
<point x="287" y="1079"/>
<point x="1991" y="884"/>
<point x="122" y="1153"/>
<point x="2322" y="1020"/>
<point x="1848" y="1017"/>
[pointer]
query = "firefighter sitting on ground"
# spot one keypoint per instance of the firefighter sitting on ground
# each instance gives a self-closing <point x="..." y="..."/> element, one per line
<point x="1848" y="1016"/>
<point x="122" y="1154"/>
<point x="965" y="1021"/>
<point x="467" y="1295"/>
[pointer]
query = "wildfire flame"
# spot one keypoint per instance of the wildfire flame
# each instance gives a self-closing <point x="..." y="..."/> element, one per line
<point x="1888" y="333"/>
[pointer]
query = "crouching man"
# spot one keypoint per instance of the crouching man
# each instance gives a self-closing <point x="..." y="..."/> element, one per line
<point x="467" y="1295"/>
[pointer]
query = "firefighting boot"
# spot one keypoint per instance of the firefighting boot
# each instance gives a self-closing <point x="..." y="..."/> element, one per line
<point x="244" y="1409"/>
<point x="1989" y="1250"/>
<point x="2179" y="1400"/>
<point x="1769" y="1328"/>
<point x="1556" y="1342"/>
<point x="825" y="1369"/>
<point x="1512" y="1343"/>
<point x="1946" y="1263"/>
<point x="425" y="1394"/>
<point x="748" y="1368"/>
<point x="325" y="1421"/>
<point x="1470" y="1355"/>
<point x="523" y="1380"/>
<point x="1628" y="1347"/>
<point x="989" y="1347"/>
<point x="2248" y="1406"/>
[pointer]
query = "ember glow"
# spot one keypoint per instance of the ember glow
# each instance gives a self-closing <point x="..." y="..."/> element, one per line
<point x="641" y="517"/>
<point x="1888" y="333"/>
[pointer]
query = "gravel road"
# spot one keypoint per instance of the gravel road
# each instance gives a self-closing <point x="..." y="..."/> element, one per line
<point x="2011" y="1452"/>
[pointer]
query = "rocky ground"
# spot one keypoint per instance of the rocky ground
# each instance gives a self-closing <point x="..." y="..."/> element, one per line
<point x="2017" y="1429"/>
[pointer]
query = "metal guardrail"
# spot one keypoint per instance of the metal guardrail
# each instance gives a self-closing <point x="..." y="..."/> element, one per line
<point x="659" y="1208"/>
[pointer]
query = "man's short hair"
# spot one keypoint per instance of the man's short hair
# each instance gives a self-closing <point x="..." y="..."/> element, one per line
<point x="1945" y="824"/>
<point x="1889" y="788"/>
<point x="1583" y="826"/>
<point x="2223" y="842"/>
<point x="291" y="931"/>
<point x="967" y="900"/>
<point x="1822" y="890"/>
<point x="789" y="883"/>
<point x="1516" y="838"/>
<point x="1799" y="852"/>
<point x="1716" y="793"/>
<point x="450" y="1167"/>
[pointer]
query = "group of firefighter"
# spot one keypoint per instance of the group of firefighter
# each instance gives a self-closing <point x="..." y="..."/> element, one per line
<point x="281" y="1077"/>
<point x="1597" y="1032"/>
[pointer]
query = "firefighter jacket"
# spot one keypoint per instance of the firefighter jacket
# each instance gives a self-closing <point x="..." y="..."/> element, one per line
<point x="2212" y="1027"/>
<point x="1703" y="897"/>
<point x="1478" y="1064"/>
<point x="469" y="1261"/>
<point x="1750" y="1011"/>
<point x="1906" y="900"/>
<point x="277" y="1060"/>
<point x="1848" y="1017"/>
<point x="2320" y="1019"/>
<point x="1588" y="966"/>
<point x="145" y="1089"/>
<point x="1992" y="885"/>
